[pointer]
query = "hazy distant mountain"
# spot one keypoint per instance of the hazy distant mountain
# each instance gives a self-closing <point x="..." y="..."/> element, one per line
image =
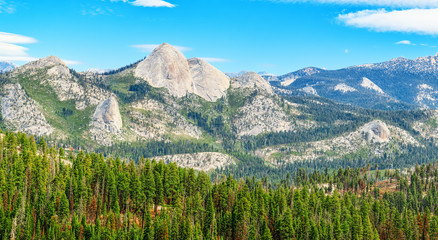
<point x="99" y="71"/>
<point x="6" y="67"/>
<point x="287" y="79"/>
<point x="236" y="74"/>
<point x="398" y="83"/>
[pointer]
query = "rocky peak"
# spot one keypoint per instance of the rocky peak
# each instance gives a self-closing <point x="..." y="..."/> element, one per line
<point x="377" y="131"/>
<point x="108" y="113"/>
<point x="252" y="80"/>
<point x="55" y="66"/>
<point x="51" y="60"/>
<point x="166" y="67"/>
<point x="209" y="83"/>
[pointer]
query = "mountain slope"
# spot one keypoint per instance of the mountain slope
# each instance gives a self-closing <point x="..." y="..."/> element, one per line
<point x="165" y="105"/>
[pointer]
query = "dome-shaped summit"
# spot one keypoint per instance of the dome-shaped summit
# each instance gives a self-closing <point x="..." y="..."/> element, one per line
<point x="166" y="67"/>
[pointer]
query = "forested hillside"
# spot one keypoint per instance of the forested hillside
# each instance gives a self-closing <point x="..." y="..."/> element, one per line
<point x="49" y="193"/>
<point x="242" y="126"/>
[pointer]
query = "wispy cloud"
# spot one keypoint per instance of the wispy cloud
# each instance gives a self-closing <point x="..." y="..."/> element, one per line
<point x="151" y="47"/>
<point x="380" y="3"/>
<point x="11" y="51"/>
<point x="8" y="49"/>
<point x="214" y="60"/>
<point x="152" y="3"/>
<point x="18" y="58"/>
<point x="6" y="7"/>
<point x="94" y="11"/>
<point x="409" y="43"/>
<point x="422" y="21"/>
<point x="404" y="42"/>
<point x="147" y="3"/>
<point x="15" y="38"/>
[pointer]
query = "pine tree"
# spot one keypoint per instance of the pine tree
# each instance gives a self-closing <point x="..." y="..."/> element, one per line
<point x="314" y="232"/>
<point x="148" y="182"/>
<point x="147" y="233"/>
<point x="286" y="230"/>
<point x="209" y="218"/>
<point x="266" y="232"/>
<point x="158" y="189"/>
<point x="357" y="230"/>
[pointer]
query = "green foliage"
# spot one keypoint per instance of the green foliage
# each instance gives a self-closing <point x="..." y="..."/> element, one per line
<point x="60" y="114"/>
<point x="98" y="198"/>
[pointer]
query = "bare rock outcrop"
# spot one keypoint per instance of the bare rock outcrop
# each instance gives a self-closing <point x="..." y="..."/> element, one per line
<point x="204" y="161"/>
<point x="210" y="83"/>
<point x="22" y="113"/>
<point x="166" y="67"/>
<point x="376" y="136"/>
<point x="253" y="81"/>
<point x="151" y="119"/>
<point x="106" y="121"/>
<point x="262" y="114"/>
<point x="376" y="131"/>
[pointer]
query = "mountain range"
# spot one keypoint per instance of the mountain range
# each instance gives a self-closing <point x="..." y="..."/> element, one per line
<point x="217" y="120"/>
<point x="399" y="83"/>
<point x="6" y="67"/>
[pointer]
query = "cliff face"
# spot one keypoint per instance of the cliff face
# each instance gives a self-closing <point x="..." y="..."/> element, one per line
<point x="22" y="113"/>
<point x="210" y="83"/>
<point x="106" y="122"/>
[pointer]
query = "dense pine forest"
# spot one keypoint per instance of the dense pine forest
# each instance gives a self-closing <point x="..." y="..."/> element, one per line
<point x="50" y="193"/>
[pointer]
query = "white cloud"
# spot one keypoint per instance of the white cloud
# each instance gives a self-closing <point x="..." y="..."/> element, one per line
<point x="7" y="49"/>
<point x="380" y="3"/>
<point x="151" y="47"/>
<point x="10" y="51"/>
<point x="214" y="60"/>
<point x="152" y="3"/>
<point x="147" y="3"/>
<point x="17" y="58"/>
<point x="423" y="21"/>
<point x="16" y="38"/>
<point x="405" y="42"/>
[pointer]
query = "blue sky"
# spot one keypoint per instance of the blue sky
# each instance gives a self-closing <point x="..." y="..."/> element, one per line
<point x="276" y="36"/>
